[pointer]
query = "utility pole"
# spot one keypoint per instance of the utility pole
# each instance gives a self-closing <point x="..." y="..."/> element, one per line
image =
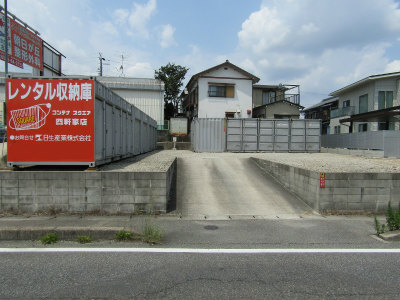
<point x="122" y="65"/>
<point x="6" y="38"/>
<point x="4" y="108"/>
<point x="101" y="59"/>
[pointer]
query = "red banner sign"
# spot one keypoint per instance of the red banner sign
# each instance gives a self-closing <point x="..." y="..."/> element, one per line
<point x="322" y="180"/>
<point x="50" y="120"/>
<point x="23" y="45"/>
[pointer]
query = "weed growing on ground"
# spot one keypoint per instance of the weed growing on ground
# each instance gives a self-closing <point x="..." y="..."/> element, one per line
<point x="393" y="217"/>
<point x="49" y="239"/>
<point x="392" y="220"/>
<point x="152" y="234"/>
<point x="84" y="239"/>
<point x="379" y="228"/>
<point x="127" y="236"/>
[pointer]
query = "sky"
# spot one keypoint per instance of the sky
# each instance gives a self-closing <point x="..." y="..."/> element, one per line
<point x="322" y="45"/>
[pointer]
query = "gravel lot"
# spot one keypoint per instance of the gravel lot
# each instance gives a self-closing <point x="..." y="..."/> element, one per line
<point x="159" y="161"/>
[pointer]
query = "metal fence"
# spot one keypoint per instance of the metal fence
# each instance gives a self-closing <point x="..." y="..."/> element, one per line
<point x="249" y="135"/>
<point x="255" y="135"/>
<point x="208" y="135"/>
<point x="388" y="141"/>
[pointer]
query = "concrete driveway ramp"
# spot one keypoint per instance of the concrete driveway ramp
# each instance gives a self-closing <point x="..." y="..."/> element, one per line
<point x="230" y="188"/>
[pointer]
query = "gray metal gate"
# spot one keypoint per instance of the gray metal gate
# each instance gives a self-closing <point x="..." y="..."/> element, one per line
<point x="250" y="135"/>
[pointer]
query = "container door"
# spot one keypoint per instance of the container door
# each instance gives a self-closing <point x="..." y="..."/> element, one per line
<point x="282" y="135"/>
<point x="234" y="135"/>
<point x="99" y="130"/>
<point x="109" y="131"/>
<point x="117" y="132"/>
<point x="124" y="133"/>
<point x="250" y="132"/>
<point x="266" y="135"/>
<point x="298" y="135"/>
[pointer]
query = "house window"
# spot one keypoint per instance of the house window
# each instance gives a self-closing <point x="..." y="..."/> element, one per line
<point x="363" y="104"/>
<point x="224" y="91"/>
<point x="346" y="103"/>
<point x="268" y="97"/>
<point x="383" y="126"/>
<point x="385" y="99"/>
<point x="229" y="115"/>
<point x="337" y="129"/>
<point x="362" y="127"/>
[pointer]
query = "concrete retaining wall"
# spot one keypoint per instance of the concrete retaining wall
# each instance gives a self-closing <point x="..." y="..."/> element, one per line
<point x="91" y="191"/>
<point x="356" y="152"/>
<point x="361" y="192"/>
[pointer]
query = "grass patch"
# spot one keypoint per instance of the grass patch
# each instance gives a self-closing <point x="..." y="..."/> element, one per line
<point x="151" y="234"/>
<point x="392" y="220"/>
<point x="49" y="239"/>
<point x="127" y="236"/>
<point x="84" y="239"/>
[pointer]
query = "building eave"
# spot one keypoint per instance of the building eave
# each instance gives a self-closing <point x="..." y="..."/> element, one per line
<point x="363" y="81"/>
<point x="373" y="116"/>
<point x="254" y="79"/>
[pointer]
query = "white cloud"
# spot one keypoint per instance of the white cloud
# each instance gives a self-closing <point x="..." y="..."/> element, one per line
<point x="141" y="70"/>
<point x="393" y="66"/>
<point x="167" y="36"/>
<point x="263" y="30"/>
<point x="309" y="28"/>
<point x="121" y="16"/>
<point x="321" y="45"/>
<point x="140" y="16"/>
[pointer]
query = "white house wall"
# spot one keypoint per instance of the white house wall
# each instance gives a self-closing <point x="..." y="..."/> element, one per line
<point x="150" y="102"/>
<point x="216" y="107"/>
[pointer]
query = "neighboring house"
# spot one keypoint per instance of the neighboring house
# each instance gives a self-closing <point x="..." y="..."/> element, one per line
<point x="370" y="104"/>
<point x="322" y="111"/>
<point x="147" y="94"/>
<point x="276" y="101"/>
<point x="223" y="91"/>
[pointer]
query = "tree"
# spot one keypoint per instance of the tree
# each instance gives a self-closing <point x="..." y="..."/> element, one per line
<point x="172" y="75"/>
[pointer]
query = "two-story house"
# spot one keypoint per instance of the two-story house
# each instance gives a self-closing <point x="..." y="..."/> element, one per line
<point x="223" y="91"/>
<point x="322" y="111"/>
<point x="227" y="91"/>
<point x="370" y="104"/>
<point x="276" y="101"/>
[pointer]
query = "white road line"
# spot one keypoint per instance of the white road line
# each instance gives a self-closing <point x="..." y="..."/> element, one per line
<point x="199" y="251"/>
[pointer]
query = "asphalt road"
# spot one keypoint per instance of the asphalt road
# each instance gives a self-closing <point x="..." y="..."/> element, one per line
<point x="198" y="276"/>
<point x="293" y="263"/>
<point x="231" y="186"/>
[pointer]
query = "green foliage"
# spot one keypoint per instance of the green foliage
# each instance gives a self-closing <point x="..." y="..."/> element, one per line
<point x="392" y="220"/>
<point x="84" y="239"/>
<point x="50" y="238"/>
<point x="379" y="228"/>
<point x="172" y="75"/>
<point x="393" y="217"/>
<point x="152" y="234"/>
<point x="123" y="236"/>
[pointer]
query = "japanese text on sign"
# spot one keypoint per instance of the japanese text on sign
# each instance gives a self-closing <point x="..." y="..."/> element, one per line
<point x="50" y="120"/>
<point x="23" y="45"/>
<point x="51" y="91"/>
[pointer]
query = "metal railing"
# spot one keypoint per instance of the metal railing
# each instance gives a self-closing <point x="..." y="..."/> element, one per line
<point x="386" y="140"/>
<point x="342" y="112"/>
<point x="293" y="98"/>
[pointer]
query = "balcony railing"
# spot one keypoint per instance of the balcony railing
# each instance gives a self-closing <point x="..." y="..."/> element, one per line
<point x="342" y="112"/>
<point x="293" y="98"/>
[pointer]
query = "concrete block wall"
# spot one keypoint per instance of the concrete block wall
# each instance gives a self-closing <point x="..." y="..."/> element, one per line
<point x="361" y="192"/>
<point x="92" y="191"/>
